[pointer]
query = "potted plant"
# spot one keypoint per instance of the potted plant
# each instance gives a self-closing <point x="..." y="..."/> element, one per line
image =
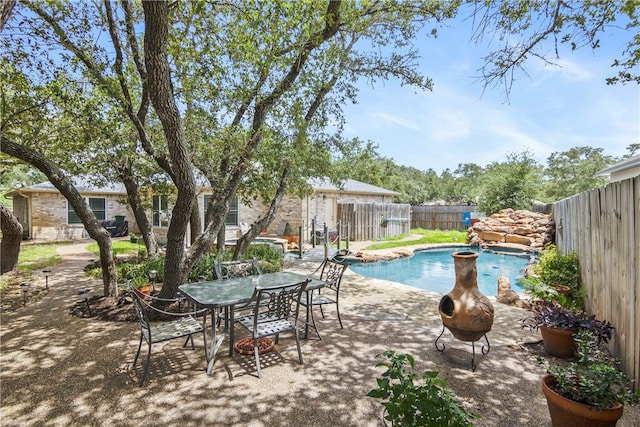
<point x="558" y="324"/>
<point x="556" y="278"/>
<point x="590" y="391"/>
<point x="413" y="399"/>
<point x="133" y="238"/>
<point x="141" y="285"/>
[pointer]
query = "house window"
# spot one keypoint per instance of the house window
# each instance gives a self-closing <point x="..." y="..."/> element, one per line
<point x="161" y="211"/>
<point x="232" y="214"/>
<point x="97" y="204"/>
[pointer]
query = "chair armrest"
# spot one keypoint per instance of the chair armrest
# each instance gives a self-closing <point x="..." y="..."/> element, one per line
<point x="148" y="305"/>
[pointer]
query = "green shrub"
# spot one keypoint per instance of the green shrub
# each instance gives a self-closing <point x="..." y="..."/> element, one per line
<point x="270" y="261"/>
<point x="203" y="268"/>
<point x="412" y="399"/>
<point x="555" y="268"/>
<point x="271" y="256"/>
<point x="137" y="271"/>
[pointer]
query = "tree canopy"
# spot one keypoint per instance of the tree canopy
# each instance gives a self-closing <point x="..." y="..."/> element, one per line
<point x="244" y="96"/>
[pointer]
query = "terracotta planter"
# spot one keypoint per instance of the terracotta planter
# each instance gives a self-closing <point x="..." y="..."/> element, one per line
<point x="466" y="311"/>
<point x="245" y="345"/>
<point x="558" y="342"/>
<point x="562" y="289"/>
<point x="567" y="413"/>
<point x="292" y="241"/>
<point x="144" y="291"/>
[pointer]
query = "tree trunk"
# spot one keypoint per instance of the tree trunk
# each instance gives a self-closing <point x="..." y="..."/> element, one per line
<point x="194" y="222"/>
<point x="242" y="245"/>
<point x="162" y="98"/>
<point x="139" y="212"/>
<point x="11" y="240"/>
<point x="222" y="235"/>
<point x="63" y="183"/>
<point x="6" y="8"/>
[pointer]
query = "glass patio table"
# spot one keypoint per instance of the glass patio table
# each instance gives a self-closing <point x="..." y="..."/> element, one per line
<point x="227" y="293"/>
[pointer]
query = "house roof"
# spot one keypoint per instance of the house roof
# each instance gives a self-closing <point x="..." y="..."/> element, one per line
<point x="631" y="162"/>
<point x="83" y="186"/>
<point x="350" y="186"/>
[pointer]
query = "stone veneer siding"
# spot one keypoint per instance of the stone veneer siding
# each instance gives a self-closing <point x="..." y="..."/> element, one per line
<point x="49" y="215"/>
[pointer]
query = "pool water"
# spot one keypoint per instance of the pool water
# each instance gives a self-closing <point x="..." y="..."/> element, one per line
<point x="433" y="270"/>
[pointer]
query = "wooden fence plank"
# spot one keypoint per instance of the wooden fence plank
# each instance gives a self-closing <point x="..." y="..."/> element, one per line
<point x="634" y="295"/>
<point x="602" y="227"/>
<point x="375" y="221"/>
<point x="439" y="217"/>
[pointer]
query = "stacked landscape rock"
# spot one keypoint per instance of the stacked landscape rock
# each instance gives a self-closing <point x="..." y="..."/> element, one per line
<point x="519" y="227"/>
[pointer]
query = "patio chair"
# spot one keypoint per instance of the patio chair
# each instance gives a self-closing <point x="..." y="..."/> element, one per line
<point x="239" y="268"/>
<point x="179" y="325"/>
<point x="331" y="273"/>
<point x="275" y="310"/>
<point x="233" y="269"/>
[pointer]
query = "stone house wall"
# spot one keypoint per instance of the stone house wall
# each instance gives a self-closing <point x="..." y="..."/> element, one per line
<point x="49" y="215"/>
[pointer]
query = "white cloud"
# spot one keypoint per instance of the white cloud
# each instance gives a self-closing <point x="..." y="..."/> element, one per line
<point x="553" y="110"/>
<point x="569" y="70"/>
<point x="390" y="120"/>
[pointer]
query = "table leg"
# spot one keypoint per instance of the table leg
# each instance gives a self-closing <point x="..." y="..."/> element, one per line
<point x="310" y="320"/>
<point x="215" y="345"/>
<point x="232" y="337"/>
<point x="306" y="322"/>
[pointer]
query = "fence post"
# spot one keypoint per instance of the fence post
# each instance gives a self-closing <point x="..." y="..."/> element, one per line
<point x="348" y="236"/>
<point x="300" y="242"/>
<point x="326" y="240"/>
<point x="339" y="227"/>
<point x="313" y="233"/>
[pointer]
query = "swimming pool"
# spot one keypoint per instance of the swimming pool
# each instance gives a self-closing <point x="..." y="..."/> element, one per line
<point x="433" y="269"/>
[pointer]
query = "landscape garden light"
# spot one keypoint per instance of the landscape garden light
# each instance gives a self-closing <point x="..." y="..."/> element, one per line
<point x="85" y="292"/>
<point x="25" y="291"/>
<point x="152" y="275"/>
<point x="46" y="278"/>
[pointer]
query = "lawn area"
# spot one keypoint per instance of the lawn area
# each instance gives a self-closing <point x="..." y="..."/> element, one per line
<point x="33" y="257"/>
<point x="36" y="256"/>
<point x="427" y="236"/>
<point x="120" y="247"/>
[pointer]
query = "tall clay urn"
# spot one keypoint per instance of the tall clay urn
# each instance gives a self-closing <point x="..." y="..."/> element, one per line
<point x="466" y="311"/>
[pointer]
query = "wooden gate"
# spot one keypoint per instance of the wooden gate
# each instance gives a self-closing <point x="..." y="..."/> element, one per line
<point x="375" y="221"/>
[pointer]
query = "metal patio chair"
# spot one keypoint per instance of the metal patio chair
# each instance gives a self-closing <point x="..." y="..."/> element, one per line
<point x="275" y="310"/>
<point x="331" y="273"/>
<point x="239" y="268"/>
<point x="180" y="325"/>
<point x="233" y="269"/>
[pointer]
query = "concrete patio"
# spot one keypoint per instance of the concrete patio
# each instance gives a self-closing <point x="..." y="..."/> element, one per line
<point x="61" y="370"/>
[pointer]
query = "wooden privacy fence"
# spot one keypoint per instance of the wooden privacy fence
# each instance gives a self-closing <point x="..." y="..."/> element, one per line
<point x="373" y="221"/>
<point x="439" y="217"/>
<point x="602" y="227"/>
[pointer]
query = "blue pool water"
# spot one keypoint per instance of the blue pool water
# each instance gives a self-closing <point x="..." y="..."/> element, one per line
<point x="433" y="270"/>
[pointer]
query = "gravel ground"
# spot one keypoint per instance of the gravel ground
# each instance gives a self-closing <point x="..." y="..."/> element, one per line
<point x="64" y="370"/>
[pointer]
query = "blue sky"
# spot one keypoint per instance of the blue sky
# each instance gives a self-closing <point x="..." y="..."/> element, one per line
<point x="551" y="110"/>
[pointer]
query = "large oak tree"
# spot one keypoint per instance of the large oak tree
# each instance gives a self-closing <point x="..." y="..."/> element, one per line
<point x="208" y="89"/>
